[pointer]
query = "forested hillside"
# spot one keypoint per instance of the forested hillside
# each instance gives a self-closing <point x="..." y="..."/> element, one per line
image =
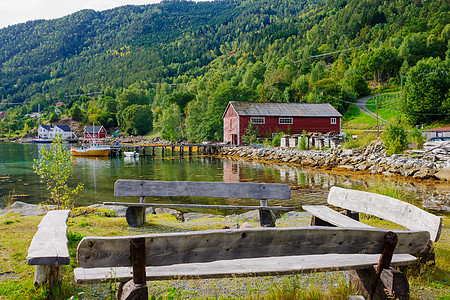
<point x="180" y="62"/>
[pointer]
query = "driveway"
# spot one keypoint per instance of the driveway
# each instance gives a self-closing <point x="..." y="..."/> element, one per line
<point x="361" y="104"/>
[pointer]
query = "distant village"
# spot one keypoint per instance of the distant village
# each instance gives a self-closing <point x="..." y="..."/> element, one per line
<point x="321" y="120"/>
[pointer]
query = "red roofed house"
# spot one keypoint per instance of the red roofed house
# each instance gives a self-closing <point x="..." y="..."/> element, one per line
<point x="59" y="104"/>
<point x="270" y="118"/>
<point x="2" y="114"/>
<point x="438" y="134"/>
<point x="94" y="132"/>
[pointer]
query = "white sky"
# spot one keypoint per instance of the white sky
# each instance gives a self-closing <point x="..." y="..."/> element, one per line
<point x="19" y="11"/>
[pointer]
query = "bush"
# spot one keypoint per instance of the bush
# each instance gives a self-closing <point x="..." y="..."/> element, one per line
<point x="395" y="139"/>
<point x="276" y="140"/>
<point x="250" y="134"/>
<point x="415" y="136"/>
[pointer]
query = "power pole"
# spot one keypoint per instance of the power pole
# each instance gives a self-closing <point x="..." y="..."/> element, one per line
<point x="376" y="108"/>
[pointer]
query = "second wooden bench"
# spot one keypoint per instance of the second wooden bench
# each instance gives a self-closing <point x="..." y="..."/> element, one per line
<point x="135" y="214"/>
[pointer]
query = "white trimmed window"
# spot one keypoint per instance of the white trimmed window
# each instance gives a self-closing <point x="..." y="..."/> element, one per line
<point x="285" y="121"/>
<point x="231" y="124"/>
<point x="257" y="120"/>
<point x="333" y="120"/>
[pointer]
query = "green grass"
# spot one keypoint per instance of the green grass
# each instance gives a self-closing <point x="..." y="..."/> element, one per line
<point x="16" y="277"/>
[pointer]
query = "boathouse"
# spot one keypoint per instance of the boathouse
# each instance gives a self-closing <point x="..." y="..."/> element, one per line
<point x="94" y="132"/>
<point x="270" y="118"/>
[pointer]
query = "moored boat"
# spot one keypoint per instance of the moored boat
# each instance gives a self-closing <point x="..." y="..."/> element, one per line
<point x="93" y="150"/>
<point x="130" y="153"/>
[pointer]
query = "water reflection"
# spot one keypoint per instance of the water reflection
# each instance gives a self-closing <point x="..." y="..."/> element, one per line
<point x="99" y="174"/>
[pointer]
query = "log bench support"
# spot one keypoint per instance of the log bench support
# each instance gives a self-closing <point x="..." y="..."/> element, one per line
<point x="48" y="250"/>
<point x="136" y="289"/>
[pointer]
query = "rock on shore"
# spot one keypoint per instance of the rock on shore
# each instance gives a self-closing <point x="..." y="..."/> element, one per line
<point x="372" y="159"/>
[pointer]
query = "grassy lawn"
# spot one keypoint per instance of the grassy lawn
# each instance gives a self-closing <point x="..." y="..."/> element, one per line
<point x="16" y="277"/>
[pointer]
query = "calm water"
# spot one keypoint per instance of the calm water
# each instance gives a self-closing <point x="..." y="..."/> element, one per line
<point x="99" y="174"/>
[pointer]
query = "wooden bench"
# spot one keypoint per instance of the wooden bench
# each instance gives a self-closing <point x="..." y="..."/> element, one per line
<point x="48" y="250"/>
<point x="135" y="214"/>
<point x="241" y="252"/>
<point x="387" y="208"/>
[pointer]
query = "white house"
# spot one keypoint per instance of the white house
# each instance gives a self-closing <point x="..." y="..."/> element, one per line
<point x="50" y="132"/>
<point x="44" y="131"/>
<point x="63" y="131"/>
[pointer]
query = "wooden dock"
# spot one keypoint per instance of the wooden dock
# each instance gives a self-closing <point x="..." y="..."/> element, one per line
<point x="168" y="150"/>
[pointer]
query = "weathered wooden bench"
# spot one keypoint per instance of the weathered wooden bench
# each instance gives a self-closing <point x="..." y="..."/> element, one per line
<point x="240" y="252"/>
<point x="135" y="213"/>
<point x="48" y="250"/>
<point x="387" y="208"/>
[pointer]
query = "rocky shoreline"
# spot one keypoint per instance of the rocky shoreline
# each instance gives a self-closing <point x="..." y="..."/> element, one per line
<point x="372" y="159"/>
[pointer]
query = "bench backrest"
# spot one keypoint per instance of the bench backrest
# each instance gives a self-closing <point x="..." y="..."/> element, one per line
<point x="212" y="245"/>
<point x="387" y="208"/>
<point x="143" y="188"/>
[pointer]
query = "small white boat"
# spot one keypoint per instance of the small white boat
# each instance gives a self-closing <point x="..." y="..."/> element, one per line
<point x="130" y="154"/>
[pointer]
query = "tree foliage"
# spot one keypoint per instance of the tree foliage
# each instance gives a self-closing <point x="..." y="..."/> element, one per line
<point x="54" y="166"/>
<point x="187" y="53"/>
<point x="427" y="91"/>
<point x="137" y="119"/>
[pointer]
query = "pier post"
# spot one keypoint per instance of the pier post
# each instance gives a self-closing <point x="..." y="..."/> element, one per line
<point x="190" y="150"/>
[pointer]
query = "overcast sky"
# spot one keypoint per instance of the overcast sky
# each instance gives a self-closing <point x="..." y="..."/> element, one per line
<point x="19" y="11"/>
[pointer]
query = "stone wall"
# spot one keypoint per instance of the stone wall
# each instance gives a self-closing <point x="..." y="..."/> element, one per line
<point x="372" y="159"/>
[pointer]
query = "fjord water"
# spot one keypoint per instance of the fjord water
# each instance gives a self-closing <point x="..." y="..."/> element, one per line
<point x="98" y="175"/>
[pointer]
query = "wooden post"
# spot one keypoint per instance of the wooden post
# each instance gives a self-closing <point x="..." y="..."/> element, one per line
<point x="162" y="149"/>
<point x="266" y="217"/>
<point x="153" y="152"/>
<point x="390" y="241"/>
<point x="190" y="150"/>
<point x="136" y="289"/>
<point x="47" y="274"/>
<point x="352" y="214"/>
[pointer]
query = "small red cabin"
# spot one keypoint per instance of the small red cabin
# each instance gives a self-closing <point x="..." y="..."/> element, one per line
<point x="269" y="118"/>
<point x="94" y="132"/>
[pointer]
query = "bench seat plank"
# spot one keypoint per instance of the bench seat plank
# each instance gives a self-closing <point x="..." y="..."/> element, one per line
<point x="227" y="244"/>
<point x="281" y="208"/>
<point x="142" y="188"/>
<point x="387" y="208"/>
<point x="49" y="244"/>
<point x="333" y="217"/>
<point x="243" y="267"/>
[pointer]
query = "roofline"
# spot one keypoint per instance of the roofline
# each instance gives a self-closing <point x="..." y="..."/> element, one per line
<point x="231" y="103"/>
<point x="439" y="129"/>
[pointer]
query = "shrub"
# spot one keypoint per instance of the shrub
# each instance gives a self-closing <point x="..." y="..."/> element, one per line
<point x="250" y="134"/>
<point x="415" y="136"/>
<point x="395" y="139"/>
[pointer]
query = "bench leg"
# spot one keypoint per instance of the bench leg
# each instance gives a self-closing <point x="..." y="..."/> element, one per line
<point x="136" y="289"/>
<point x="135" y="216"/>
<point x="267" y="218"/>
<point x="393" y="284"/>
<point x="50" y="275"/>
<point x="132" y="291"/>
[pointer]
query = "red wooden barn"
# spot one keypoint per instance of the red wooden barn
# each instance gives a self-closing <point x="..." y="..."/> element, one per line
<point x="94" y="132"/>
<point x="278" y="117"/>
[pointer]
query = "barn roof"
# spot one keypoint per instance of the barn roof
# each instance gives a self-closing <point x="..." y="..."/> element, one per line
<point x="266" y="109"/>
<point x="439" y="129"/>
